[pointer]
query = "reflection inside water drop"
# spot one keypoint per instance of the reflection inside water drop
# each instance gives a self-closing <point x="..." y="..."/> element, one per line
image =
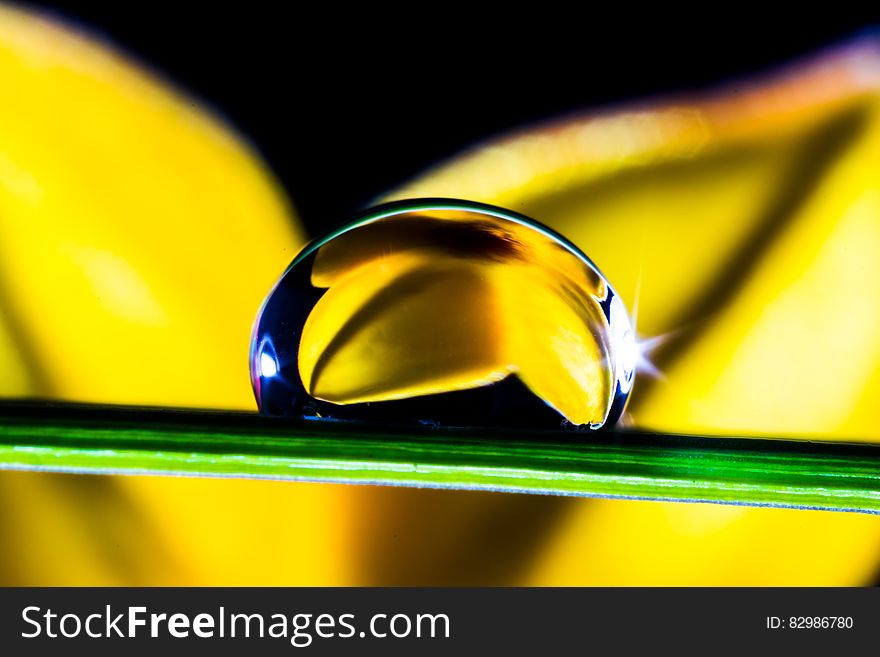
<point x="448" y="313"/>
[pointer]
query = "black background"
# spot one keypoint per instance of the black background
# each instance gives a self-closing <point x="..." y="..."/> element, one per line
<point x="346" y="103"/>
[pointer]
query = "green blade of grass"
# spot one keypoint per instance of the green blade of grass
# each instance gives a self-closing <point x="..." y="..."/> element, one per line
<point x="106" y="439"/>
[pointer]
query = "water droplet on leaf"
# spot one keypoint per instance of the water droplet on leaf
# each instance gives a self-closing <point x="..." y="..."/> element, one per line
<point x="444" y="313"/>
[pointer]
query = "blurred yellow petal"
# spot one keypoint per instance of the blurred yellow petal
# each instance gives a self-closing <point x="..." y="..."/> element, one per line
<point x="796" y="349"/>
<point x="64" y="530"/>
<point x="619" y="542"/>
<point x="134" y="227"/>
<point x="240" y="532"/>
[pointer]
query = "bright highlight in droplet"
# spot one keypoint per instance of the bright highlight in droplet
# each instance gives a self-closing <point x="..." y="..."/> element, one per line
<point x="268" y="366"/>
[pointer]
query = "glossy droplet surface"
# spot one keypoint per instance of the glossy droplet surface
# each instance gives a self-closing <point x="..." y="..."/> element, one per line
<point x="446" y="313"/>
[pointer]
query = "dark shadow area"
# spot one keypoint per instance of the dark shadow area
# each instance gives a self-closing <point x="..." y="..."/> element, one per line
<point x="347" y="104"/>
<point x="456" y="538"/>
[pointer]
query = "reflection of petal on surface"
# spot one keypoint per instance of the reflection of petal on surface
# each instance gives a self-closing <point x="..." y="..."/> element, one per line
<point x="449" y="233"/>
<point x="444" y="233"/>
<point x="408" y="328"/>
<point x="421" y="305"/>
<point x="403" y="328"/>
<point x="557" y="343"/>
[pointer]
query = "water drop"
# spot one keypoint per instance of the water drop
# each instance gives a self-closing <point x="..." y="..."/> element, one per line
<point x="443" y="312"/>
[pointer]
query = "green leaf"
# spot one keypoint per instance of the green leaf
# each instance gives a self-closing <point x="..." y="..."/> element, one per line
<point x="630" y="464"/>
